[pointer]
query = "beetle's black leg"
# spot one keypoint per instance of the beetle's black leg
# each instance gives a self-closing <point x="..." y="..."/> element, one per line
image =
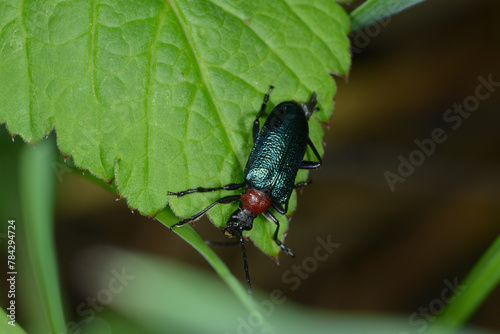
<point x="309" y="107"/>
<point x="311" y="145"/>
<point x="311" y="164"/>
<point x="303" y="184"/>
<point x="279" y="208"/>
<point x="272" y="218"/>
<point x="256" y="123"/>
<point x="223" y="200"/>
<point x="231" y="186"/>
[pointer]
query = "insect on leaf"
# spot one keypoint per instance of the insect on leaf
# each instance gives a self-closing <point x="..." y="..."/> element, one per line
<point x="160" y="96"/>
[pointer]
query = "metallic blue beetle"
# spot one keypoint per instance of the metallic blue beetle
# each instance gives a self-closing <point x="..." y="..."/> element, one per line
<point x="270" y="173"/>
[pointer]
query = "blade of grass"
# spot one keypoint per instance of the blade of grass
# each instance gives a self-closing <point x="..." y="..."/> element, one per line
<point x="375" y="10"/>
<point x="186" y="232"/>
<point x="479" y="282"/>
<point x="6" y="328"/>
<point x="36" y="198"/>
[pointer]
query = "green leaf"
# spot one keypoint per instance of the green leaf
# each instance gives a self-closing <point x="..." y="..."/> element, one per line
<point x="375" y="10"/>
<point x="156" y="301"/>
<point x="478" y="284"/>
<point x="160" y="96"/>
<point x="37" y="196"/>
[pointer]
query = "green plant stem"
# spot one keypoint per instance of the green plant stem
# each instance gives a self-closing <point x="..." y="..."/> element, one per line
<point x="37" y="202"/>
<point x="479" y="282"/>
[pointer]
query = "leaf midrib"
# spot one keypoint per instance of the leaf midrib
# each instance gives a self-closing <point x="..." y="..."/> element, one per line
<point x="28" y="74"/>
<point x="204" y="80"/>
<point x="94" y="90"/>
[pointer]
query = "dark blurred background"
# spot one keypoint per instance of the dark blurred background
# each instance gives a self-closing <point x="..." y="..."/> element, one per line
<point x="396" y="247"/>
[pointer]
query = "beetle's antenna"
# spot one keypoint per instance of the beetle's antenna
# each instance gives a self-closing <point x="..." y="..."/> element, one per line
<point x="222" y="243"/>
<point x="245" y="263"/>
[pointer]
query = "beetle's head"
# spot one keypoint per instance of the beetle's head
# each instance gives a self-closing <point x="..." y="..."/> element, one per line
<point x="239" y="221"/>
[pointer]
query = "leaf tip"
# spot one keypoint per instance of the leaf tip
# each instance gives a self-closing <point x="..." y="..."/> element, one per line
<point x="344" y="76"/>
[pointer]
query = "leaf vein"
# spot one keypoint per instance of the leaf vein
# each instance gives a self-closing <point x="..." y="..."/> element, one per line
<point x="263" y="40"/>
<point x="148" y="92"/>
<point x="314" y="33"/>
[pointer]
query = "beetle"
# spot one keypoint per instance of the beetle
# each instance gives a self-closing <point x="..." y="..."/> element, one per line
<point x="270" y="172"/>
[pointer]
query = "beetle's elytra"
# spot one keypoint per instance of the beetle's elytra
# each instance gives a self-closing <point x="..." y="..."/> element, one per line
<point x="270" y="172"/>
